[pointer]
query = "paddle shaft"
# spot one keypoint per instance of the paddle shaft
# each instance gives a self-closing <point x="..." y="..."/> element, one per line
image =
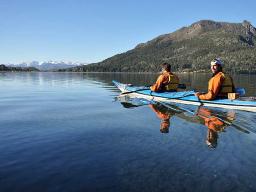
<point x="134" y="91"/>
<point x="180" y="86"/>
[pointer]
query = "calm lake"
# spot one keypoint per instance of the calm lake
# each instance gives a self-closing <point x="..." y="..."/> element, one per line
<point x="69" y="132"/>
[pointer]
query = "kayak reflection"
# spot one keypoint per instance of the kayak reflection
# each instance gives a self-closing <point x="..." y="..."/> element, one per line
<point x="216" y="121"/>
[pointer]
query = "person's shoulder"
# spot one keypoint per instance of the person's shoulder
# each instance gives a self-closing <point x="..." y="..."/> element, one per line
<point x="165" y="74"/>
<point x="161" y="77"/>
<point x="220" y="75"/>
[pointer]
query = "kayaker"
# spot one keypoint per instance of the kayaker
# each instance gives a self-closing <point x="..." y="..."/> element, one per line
<point x="219" y="85"/>
<point x="167" y="81"/>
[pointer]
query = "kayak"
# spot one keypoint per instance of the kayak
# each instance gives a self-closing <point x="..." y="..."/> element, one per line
<point x="186" y="97"/>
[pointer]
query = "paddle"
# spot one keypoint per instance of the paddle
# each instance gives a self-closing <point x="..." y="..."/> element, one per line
<point x="180" y="86"/>
<point x="128" y="92"/>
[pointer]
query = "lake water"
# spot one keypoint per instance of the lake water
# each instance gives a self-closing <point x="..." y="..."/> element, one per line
<point x="68" y="132"/>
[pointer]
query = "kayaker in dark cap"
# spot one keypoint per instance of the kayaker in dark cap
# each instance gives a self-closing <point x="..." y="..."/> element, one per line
<point x="167" y="81"/>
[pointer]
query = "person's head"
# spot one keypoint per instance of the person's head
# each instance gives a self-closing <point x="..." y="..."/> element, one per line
<point x="216" y="65"/>
<point x="212" y="137"/>
<point x="231" y="115"/>
<point x="166" y="67"/>
<point x="165" y="124"/>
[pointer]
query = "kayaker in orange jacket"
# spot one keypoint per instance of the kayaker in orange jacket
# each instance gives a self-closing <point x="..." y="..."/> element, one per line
<point x="219" y="85"/>
<point x="167" y="81"/>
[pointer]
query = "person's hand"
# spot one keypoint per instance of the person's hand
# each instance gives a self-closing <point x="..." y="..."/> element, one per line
<point x="197" y="94"/>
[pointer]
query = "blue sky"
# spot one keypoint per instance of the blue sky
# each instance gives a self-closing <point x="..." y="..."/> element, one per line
<point x="93" y="30"/>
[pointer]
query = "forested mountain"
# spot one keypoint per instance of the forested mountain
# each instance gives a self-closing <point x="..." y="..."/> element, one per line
<point x="6" y="68"/>
<point x="188" y="49"/>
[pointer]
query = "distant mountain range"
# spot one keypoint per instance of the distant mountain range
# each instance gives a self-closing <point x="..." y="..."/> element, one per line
<point x="23" y="69"/>
<point x="46" y="66"/>
<point x="188" y="49"/>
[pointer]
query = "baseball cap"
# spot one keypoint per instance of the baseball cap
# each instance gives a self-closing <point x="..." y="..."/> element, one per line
<point x="217" y="61"/>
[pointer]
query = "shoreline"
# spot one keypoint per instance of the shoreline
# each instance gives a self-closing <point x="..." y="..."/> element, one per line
<point x="178" y="72"/>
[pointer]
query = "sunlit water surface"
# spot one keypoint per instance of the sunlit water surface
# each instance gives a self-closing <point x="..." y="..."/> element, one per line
<point x="66" y="132"/>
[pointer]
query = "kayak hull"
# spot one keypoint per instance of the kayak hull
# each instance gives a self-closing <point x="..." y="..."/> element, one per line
<point x="185" y="97"/>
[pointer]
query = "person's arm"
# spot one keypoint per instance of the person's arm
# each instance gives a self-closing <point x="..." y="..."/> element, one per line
<point x="213" y="89"/>
<point x="158" y="84"/>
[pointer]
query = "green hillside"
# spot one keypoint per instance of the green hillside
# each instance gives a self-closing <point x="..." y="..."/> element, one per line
<point x="188" y="49"/>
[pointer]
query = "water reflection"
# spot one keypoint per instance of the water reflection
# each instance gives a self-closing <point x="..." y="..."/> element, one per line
<point x="164" y="115"/>
<point x="216" y="121"/>
<point x="192" y="80"/>
<point x="214" y="124"/>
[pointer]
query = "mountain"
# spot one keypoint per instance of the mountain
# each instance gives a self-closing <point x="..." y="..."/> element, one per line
<point x="55" y="65"/>
<point x="8" y="68"/>
<point x="188" y="49"/>
<point x="47" y="66"/>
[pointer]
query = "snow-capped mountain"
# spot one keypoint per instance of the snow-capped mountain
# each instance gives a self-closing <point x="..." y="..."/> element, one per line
<point x="47" y="65"/>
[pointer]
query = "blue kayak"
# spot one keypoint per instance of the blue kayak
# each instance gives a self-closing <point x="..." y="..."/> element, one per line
<point x="186" y="97"/>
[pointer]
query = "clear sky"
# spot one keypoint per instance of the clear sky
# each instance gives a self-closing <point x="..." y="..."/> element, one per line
<point x="93" y="30"/>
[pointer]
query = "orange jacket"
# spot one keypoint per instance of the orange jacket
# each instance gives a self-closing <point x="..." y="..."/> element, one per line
<point x="161" y="82"/>
<point x="214" y="87"/>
